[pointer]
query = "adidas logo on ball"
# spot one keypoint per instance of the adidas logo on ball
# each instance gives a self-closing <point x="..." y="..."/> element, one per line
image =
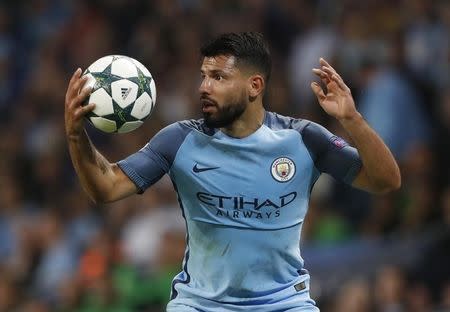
<point x="125" y="92"/>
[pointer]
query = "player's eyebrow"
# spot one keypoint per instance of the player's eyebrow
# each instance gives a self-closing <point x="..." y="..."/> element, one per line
<point x="213" y="72"/>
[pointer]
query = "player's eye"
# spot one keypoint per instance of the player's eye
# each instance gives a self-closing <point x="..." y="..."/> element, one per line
<point x="218" y="77"/>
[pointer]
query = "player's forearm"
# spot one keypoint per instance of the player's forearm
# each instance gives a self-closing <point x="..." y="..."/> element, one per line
<point x="379" y="164"/>
<point x="93" y="170"/>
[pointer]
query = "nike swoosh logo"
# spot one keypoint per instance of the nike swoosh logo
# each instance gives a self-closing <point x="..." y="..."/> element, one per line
<point x="196" y="169"/>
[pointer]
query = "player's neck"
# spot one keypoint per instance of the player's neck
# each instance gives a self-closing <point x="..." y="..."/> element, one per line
<point x="250" y="121"/>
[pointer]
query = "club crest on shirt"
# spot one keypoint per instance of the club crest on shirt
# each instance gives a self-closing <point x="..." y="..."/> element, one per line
<point x="282" y="169"/>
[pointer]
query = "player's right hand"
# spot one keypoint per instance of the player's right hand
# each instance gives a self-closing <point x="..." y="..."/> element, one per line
<point x="74" y="110"/>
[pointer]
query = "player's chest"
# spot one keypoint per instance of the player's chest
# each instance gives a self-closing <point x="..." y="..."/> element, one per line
<point x="252" y="169"/>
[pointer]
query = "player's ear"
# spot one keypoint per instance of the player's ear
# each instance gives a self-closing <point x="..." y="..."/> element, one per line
<point x="256" y="85"/>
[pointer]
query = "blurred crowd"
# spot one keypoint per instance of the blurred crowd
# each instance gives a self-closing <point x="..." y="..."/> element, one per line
<point x="60" y="252"/>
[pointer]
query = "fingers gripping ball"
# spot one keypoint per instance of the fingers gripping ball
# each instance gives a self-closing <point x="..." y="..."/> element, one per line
<point x="123" y="91"/>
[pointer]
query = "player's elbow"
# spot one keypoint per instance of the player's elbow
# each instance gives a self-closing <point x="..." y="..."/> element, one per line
<point x="387" y="189"/>
<point x="391" y="183"/>
<point x="397" y="182"/>
<point x="99" y="197"/>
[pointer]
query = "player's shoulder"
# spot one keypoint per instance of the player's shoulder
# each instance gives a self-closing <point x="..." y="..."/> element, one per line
<point x="277" y="121"/>
<point x="197" y="125"/>
<point x="184" y="127"/>
<point x="170" y="138"/>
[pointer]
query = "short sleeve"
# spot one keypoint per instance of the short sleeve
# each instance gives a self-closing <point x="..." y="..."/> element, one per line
<point x="331" y="154"/>
<point x="150" y="163"/>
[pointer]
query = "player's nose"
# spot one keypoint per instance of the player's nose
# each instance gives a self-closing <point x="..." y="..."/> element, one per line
<point x="205" y="86"/>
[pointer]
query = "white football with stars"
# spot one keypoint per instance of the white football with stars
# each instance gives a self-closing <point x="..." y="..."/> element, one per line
<point x="123" y="91"/>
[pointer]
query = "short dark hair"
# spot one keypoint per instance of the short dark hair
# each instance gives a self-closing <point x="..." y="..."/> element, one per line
<point x="249" y="48"/>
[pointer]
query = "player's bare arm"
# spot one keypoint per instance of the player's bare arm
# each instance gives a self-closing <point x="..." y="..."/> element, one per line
<point x="102" y="180"/>
<point x="379" y="172"/>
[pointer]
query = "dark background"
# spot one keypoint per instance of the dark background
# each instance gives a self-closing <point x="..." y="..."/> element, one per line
<point x="60" y="252"/>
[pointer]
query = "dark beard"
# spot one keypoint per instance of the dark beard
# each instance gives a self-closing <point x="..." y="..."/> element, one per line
<point x="225" y="115"/>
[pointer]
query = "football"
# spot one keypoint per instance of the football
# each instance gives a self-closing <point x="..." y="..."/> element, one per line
<point x="123" y="91"/>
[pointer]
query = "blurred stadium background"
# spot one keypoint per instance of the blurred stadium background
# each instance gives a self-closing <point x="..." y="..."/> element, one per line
<point x="60" y="252"/>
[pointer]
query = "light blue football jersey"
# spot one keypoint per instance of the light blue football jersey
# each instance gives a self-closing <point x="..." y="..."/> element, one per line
<point x="244" y="202"/>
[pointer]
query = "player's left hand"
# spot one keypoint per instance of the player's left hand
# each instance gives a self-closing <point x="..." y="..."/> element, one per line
<point x="338" y="101"/>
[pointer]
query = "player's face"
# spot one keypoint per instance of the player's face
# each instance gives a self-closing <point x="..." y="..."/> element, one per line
<point x="223" y="93"/>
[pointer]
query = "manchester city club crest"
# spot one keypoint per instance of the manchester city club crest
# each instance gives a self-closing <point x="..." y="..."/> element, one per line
<point x="282" y="169"/>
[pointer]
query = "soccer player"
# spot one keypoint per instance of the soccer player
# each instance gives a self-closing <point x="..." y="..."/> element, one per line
<point x="243" y="177"/>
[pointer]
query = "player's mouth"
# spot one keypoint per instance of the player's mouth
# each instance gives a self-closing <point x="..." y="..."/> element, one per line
<point x="208" y="105"/>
